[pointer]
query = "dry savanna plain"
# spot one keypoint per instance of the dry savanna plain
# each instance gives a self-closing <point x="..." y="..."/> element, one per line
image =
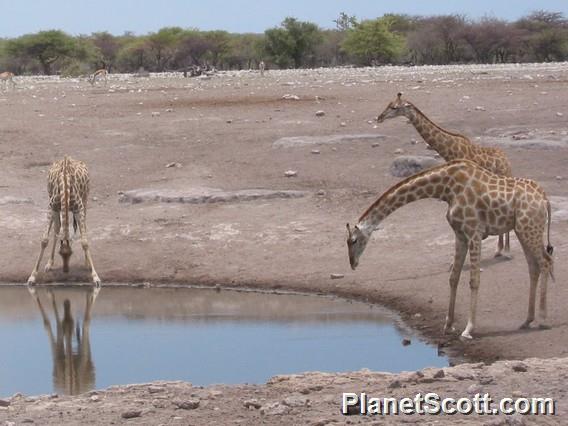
<point x="236" y="180"/>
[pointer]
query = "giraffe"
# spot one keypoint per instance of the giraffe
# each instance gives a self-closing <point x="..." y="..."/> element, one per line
<point x="68" y="189"/>
<point x="73" y="367"/>
<point x="480" y="203"/>
<point x="99" y="73"/>
<point x="451" y="146"/>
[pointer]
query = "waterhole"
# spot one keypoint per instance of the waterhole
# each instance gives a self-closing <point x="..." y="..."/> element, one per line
<point x="71" y="340"/>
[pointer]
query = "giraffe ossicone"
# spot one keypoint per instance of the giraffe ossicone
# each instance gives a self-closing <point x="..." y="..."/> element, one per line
<point x="68" y="190"/>
<point x="480" y="203"/>
<point x="451" y="145"/>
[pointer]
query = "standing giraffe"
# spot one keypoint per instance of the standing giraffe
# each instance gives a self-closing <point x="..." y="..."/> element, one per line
<point x="68" y="189"/>
<point x="451" y="146"/>
<point x="7" y="77"/>
<point x="480" y="203"/>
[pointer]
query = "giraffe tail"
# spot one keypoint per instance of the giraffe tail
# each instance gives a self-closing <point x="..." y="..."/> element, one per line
<point x="65" y="184"/>
<point x="549" y="247"/>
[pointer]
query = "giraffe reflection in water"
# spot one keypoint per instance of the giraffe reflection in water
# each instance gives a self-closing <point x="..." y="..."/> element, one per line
<point x="73" y="366"/>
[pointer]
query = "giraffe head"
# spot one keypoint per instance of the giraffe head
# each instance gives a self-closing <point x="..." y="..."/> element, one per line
<point x="394" y="109"/>
<point x="65" y="252"/>
<point x="356" y="243"/>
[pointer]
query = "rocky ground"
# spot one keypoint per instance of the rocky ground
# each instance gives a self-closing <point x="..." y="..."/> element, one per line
<point x="246" y="181"/>
<point x="306" y="399"/>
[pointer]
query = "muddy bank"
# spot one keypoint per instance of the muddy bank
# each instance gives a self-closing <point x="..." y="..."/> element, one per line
<point x="220" y="133"/>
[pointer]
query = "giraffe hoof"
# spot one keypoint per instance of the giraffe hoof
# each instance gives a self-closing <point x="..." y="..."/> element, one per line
<point x="526" y="325"/>
<point x="465" y="337"/>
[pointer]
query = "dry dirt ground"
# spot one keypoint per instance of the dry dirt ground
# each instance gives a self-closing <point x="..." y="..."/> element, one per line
<point x="221" y="134"/>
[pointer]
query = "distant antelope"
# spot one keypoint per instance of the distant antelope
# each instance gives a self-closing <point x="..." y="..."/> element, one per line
<point x="7" y="77"/>
<point x="261" y="67"/>
<point x="102" y="73"/>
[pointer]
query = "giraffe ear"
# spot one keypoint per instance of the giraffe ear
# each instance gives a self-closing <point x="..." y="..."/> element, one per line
<point x="399" y="95"/>
<point x="349" y="229"/>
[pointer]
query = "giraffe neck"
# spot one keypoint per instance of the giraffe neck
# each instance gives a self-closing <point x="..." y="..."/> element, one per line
<point x="444" y="143"/>
<point x="428" y="184"/>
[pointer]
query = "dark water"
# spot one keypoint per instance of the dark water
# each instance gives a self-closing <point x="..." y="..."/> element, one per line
<point x="71" y="340"/>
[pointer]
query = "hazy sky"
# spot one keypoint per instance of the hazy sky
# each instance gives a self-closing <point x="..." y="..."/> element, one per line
<point x="19" y="17"/>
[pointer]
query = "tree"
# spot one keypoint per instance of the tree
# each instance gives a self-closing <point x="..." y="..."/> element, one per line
<point x="345" y="22"/>
<point x="545" y="35"/>
<point x="134" y="54"/>
<point x="244" y="51"/>
<point x="163" y="44"/>
<point x="47" y="47"/>
<point x="293" y="43"/>
<point x="438" y="40"/>
<point x="491" y="40"/>
<point x="108" y="47"/>
<point x="372" y="41"/>
<point x="218" y="43"/>
<point x="192" y="48"/>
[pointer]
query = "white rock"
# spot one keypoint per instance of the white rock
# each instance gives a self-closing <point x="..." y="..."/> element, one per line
<point x="275" y="409"/>
<point x="155" y="114"/>
<point x="290" y="173"/>
<point x="408" y="165"/>
<point x="320" y="113"/>
<point x="479" y="108"/>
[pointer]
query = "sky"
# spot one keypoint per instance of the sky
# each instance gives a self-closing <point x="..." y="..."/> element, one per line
<point x="76" y="17"/>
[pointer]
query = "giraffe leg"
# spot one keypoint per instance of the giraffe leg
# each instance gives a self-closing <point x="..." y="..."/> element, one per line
<point x="545" y="271"/>
<point x="85" y="245"/>
<point x="77" y="219"/>
<point x="534" y="272"/>
<point x="44" y="243"/>
<point x="459" y="259"/>
<point x="540" y="265"/>
<point x="507" y="243"/>
<point x="56" y="230"/>
<point x="500" y="245"/>
<point x="474" y="257"/>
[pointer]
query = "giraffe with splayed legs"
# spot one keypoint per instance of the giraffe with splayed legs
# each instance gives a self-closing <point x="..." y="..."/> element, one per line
<point x="68" y="189"/>
<point x="480" y="203"/>
<point x="451" y="146"/>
